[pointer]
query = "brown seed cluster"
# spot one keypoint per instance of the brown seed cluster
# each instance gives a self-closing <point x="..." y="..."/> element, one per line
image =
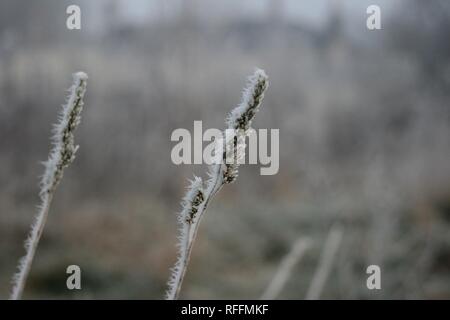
<point x="64" y="139"/>
<point x="196" y="202"/>
<point x="244" y="121"/>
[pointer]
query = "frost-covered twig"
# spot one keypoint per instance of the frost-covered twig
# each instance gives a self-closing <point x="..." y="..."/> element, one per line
<point x="61" y="156"/>
<point x="285" y="269"/>
<point x="326" y="263"/>
<point x="221" y="172"/>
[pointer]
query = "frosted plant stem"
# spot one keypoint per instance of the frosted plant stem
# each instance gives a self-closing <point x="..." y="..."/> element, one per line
<point x="196" y="200"/>
<point x="61" y="155"/>
<point x="35" y="235"/>
<point x="285" y="269"/>
<point x="192" y="235"/>
<point x="325" y="264"/>
<point x="183" y="266"/>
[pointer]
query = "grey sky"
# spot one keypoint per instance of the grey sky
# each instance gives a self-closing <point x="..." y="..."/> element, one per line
<point x="310" y="12"/>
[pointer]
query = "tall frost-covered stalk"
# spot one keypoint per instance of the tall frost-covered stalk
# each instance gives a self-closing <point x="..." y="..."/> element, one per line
<point x="229" y="153"/>
<point x="61" y="155"/>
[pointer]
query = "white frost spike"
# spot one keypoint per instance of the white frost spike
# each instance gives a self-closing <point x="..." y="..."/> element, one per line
<point x="219" y="174"/>
<point x="64" y="148"/>
<point x="241" y="117"/>
<point x="61" y="155"/>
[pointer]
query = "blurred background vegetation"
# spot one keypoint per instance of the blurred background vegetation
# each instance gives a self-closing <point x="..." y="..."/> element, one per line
<point x="364" y="125"/>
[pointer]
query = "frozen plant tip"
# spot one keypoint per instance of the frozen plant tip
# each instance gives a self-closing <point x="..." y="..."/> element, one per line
<point x="241" y="117"/>
<point x="229" y="151"/>
<point x="240" y="120"/>
<point x="61" y="156"/>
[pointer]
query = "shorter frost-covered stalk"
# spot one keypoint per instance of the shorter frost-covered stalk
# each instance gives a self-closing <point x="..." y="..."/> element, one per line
<point x="223" y="171"/>
<point x="285" y="269"/>
<point x="327" y="257"/>
<point x="61" y="156"/>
